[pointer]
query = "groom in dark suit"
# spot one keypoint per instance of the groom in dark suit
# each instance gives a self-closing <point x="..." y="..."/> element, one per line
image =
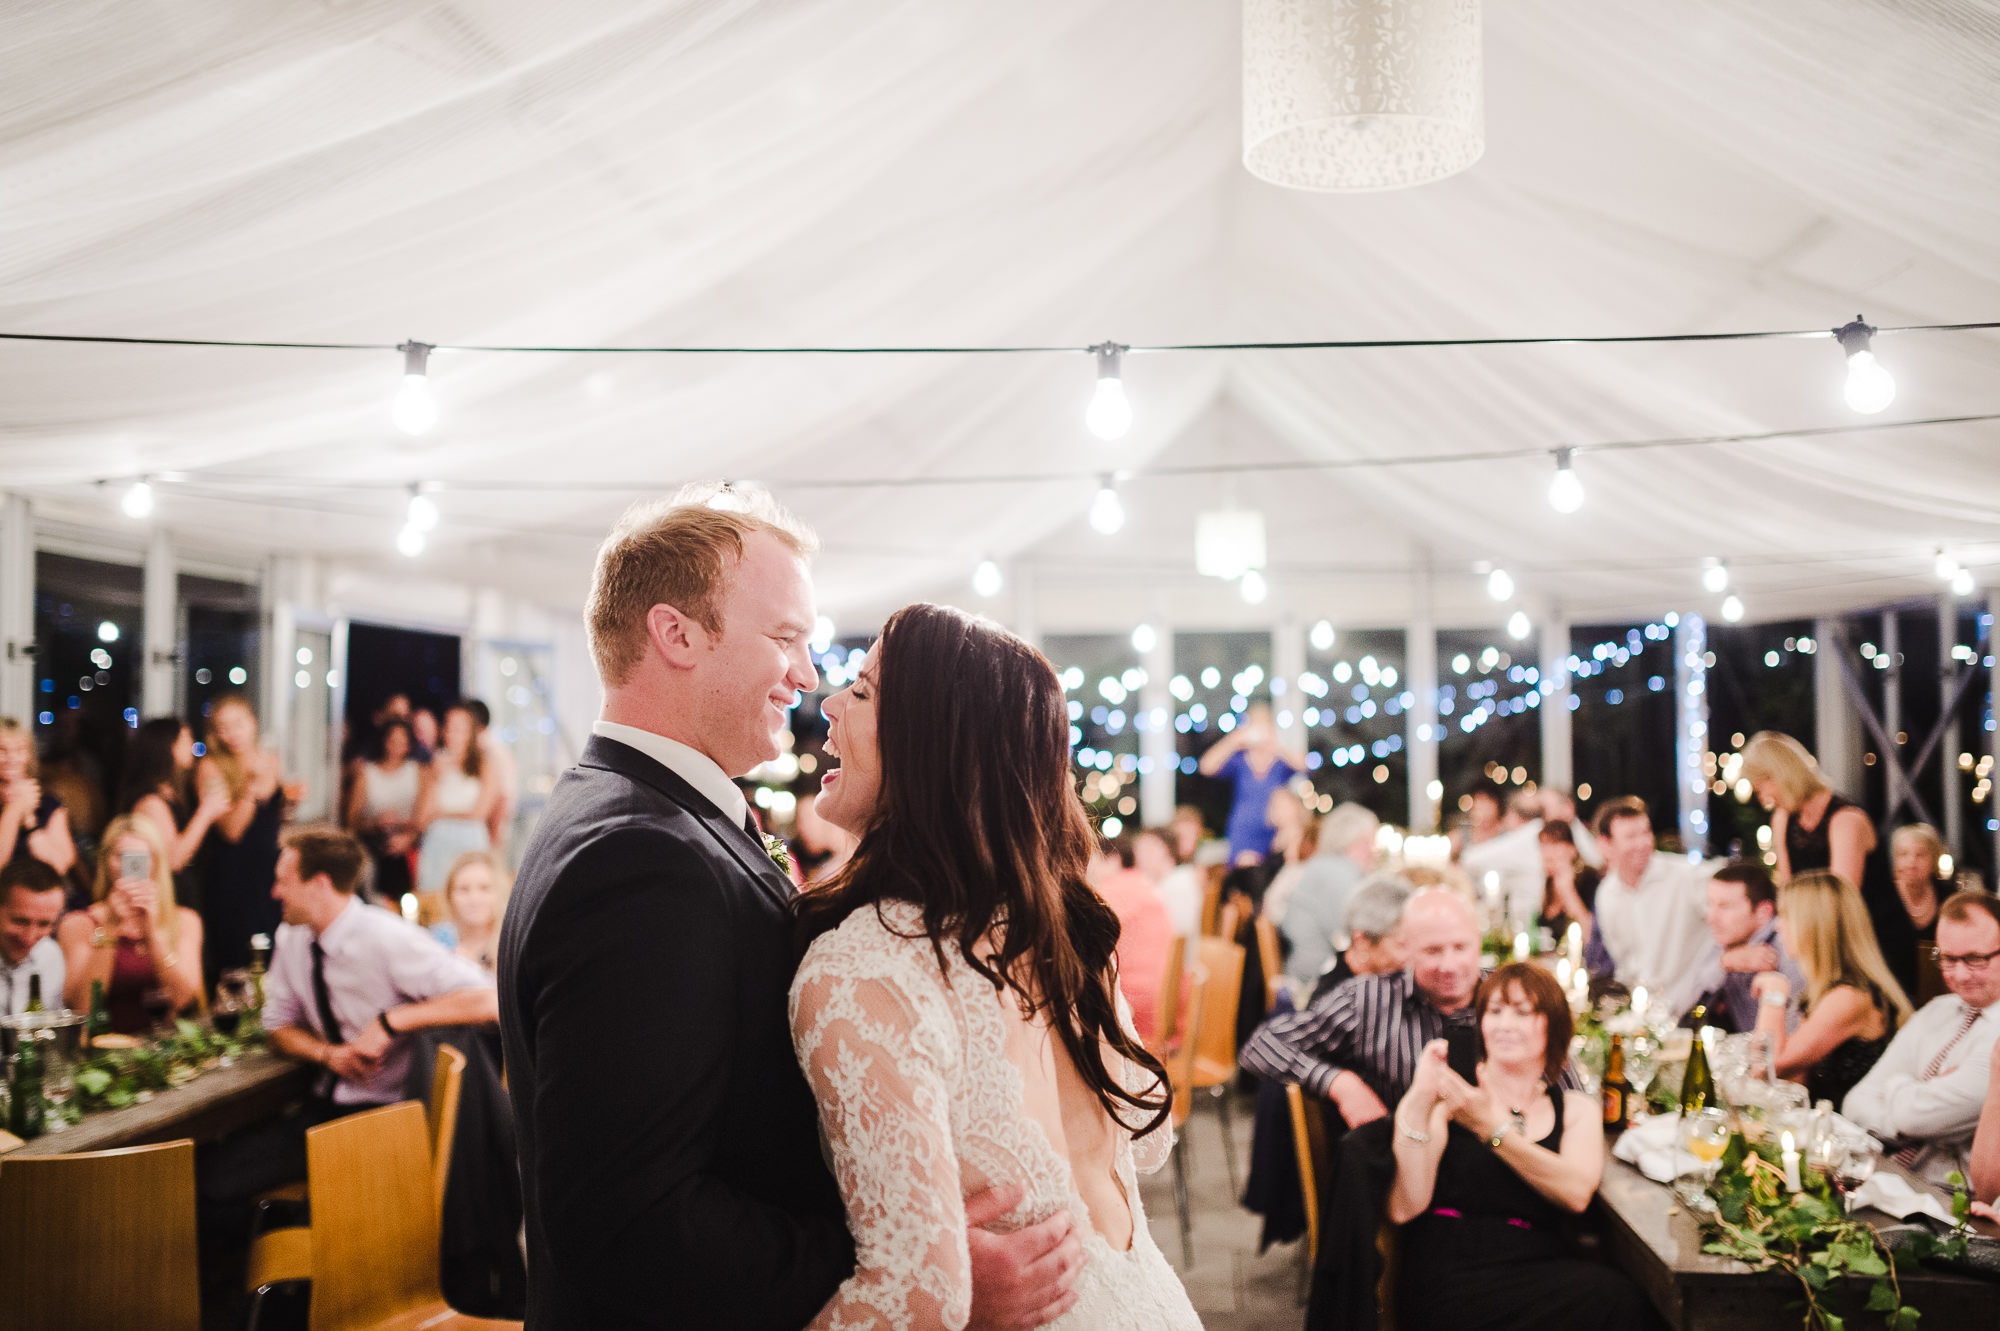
<point x="670" y="1158"/>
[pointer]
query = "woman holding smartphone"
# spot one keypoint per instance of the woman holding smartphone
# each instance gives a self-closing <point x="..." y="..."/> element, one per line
<point x="133" y="938"/>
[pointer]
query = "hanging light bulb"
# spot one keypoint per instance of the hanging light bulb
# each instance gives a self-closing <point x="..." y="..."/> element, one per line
<point x="1962" y="583"/>
<point x="138" y="500"/>
<point x="1565" y="490"/>
<point x="415" y="411"/>
<point x="1732" y="608"/>
<point x="1946" y="566"/>
<point x="1144" y="639"/>
<point x="986" y="579"/>
<point x="1107" y="514"/>
<point x="1322" y="636"/>
<point x="1499" y="586"/>
<point x="410" y="540"/>
<point x="1715" y="577"/>
<point x="422" y="512"/>
<point x="1869" y="387"/>
<point x="1109" y="415"/>
<point x="1253" y="588"/>
<point x="1518" y="626"/>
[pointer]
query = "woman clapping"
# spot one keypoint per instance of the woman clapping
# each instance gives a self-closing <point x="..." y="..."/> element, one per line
<point x="1487" y="1170"/>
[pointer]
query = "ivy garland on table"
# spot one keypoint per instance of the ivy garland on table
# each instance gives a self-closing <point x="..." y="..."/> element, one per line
<point x="1808" y="1235"/>
<point x="115" y="1078"/>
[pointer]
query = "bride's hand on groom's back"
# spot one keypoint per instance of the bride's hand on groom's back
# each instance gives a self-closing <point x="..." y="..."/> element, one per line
<point x="1023" y="1279"/>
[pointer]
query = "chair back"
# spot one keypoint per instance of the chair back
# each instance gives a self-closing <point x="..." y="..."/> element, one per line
<point x="1211" y="896"/>
<point x="100" y="1241"/>
<point x="1166" y="1022"/>
<point x="1215" y="1037"/>
<point x="1309" y="1144"/>
<point x="1180" y="1064"/>
<point x="374" y="1218"/>
<point x="1272" y="958"/>
<point x="447" y="1081"/>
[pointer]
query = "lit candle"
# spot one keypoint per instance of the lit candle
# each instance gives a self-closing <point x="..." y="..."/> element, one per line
<point x="1562" y="974"/>
<point x="1639" y="1000"/>
<point x="409" y="904"/>
<point x="1573" y="943"/>
<point x="1520" y="947"/>
<point x="1790" y="1157"/>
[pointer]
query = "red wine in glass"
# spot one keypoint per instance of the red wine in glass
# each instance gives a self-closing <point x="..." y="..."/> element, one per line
<point x="158" y="1006"/>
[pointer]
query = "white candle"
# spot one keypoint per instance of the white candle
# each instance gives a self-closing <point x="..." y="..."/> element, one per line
<point x="1520" y="947"/>
<point x="1562" y="974"/>
<point x="1573" y="943"/>
<point x="1639" y="1000"/>
<point x="1790" y="1157"/>
<point x="409" y="905"/>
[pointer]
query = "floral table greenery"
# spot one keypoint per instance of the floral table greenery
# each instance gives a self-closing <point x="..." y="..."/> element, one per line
<point x="115" y="1078"/>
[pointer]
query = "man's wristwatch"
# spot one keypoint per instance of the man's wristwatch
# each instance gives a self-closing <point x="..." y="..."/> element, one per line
<point x="383" y="1017"/>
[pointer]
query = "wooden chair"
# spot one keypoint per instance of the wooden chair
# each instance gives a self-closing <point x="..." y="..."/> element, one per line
<point x="281" y="1255"/>
<point x="1167" y="1019"/>
<point x="1180" y="1076"/>
<point x="1211" y="897"/>
<point x="375" y="1226"/>
<point x="100" y="1241"/>
<point x="1272" y="958"/>
<point x="1309" y="1144"/>
<point x="1215" y="1038"/>
<point x="1228" y="922"/>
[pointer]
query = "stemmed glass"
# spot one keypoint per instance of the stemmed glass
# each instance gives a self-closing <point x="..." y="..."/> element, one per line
<point x="230" y="1002"/>
<point x="1642" y="1060"/>
<point x="1706" y="1135"/>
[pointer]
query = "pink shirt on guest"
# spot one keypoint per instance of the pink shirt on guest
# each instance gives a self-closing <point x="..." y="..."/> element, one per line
<point x="1145" y="931"/>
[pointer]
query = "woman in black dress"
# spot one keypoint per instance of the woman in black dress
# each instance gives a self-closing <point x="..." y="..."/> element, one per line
<point x="1813" y="828"/>
<point x="33" y="822"/>
<point x="1488" y="1171"/>
<point x="159" y="782"/>
<point x="1852" y="1006"/>
<point x="243" y="843"/>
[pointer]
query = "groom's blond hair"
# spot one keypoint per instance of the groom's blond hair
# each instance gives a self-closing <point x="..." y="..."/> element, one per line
<point x="676" y="552"/>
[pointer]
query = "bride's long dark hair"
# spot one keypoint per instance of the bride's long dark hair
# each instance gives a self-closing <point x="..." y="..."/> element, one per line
<point x="977" y="823"/>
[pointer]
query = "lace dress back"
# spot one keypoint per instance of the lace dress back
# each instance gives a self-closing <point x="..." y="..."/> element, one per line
<point x="932" y="1087"/>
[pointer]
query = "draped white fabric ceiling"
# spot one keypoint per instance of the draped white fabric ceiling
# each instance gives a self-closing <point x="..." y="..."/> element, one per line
<point x="606" y="172"/>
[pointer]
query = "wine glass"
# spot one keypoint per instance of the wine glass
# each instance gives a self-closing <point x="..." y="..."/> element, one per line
<point x="1851" y="1168"/>
<point x="1706" y="1136"/>
<point x="58" y="1078"/>
<point x="1642" y="1060"/>
<point x="227" y="1014"/>
<point x="158" y="1005"/>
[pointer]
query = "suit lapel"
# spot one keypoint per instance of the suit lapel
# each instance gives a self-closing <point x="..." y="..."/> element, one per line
<point x="629" y="762"/>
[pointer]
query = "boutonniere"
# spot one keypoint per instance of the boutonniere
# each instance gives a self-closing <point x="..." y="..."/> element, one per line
<point x="780" y="853"/>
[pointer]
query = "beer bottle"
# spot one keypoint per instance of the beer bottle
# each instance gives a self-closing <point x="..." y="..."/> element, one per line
<point x="1698" y="1083"/>
<point x="1617" y="1091"/>
<point x="99" y="1021"/>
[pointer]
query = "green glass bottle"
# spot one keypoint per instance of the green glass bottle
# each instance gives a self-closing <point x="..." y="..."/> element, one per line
<point x="1698" y="1083"/>
<point x="99" y="1021"/>
<point x="35" y="993"/>
<point x="27" y="1113"/>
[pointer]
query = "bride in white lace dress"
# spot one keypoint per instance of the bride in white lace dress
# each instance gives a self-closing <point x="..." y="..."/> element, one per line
<point x="957" y="1011"/>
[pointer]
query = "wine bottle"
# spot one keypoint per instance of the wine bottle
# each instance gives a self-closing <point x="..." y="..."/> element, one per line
<point x="27" y="1113"/>
<point x="1616" y="1090"/>
<point x="99" y="1021"/>
<point x="34" y="992"/>
<point x="1698" y="1083"/>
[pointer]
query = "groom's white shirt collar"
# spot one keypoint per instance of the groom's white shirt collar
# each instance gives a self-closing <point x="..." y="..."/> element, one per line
<point x="690" y="765"/>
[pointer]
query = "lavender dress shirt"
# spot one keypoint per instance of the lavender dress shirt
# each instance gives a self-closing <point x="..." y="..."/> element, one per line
<point x="375" y="960"/>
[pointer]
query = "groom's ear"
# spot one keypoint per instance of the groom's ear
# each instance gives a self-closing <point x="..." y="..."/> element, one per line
<point x="678" y="638"/>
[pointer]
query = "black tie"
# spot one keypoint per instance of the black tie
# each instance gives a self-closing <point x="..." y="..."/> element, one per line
<point x="329" y="1024"/>
<point x="750" y="826"/>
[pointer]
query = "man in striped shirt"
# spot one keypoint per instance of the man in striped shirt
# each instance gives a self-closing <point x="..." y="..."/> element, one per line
<point x="1358" y="1044"/>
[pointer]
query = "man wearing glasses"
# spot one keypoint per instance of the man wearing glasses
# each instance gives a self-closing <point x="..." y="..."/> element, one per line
<point x="1924" y="1095"/>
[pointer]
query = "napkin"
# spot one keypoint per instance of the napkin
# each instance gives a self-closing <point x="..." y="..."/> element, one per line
<point x="1893" y="1194"/>
<point x="1651" y="1147"/>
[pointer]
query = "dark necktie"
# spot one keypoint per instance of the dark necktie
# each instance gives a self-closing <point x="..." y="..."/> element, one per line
<point x="329" y="1024"/>
<point x="750" y="826"/>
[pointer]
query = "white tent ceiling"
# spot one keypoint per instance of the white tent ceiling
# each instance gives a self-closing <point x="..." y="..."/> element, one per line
<point x="622" y="172"/>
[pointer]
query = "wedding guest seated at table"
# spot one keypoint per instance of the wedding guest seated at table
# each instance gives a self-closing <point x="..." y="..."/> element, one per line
<point x="475" y="896"/>
<point x="1488" y="1170"/>
<point x="1852" y="1005"/>
<point x="1374" y="925"/>
<point x="134" y="939"/>
<point x="1178" y="883"/>
<point x="1511" y="856"/>
<point x="1569" y="886"/>
<point x="1925" y="1093"/>
<point x="1652" y="907"/>
<point x="1144" y="931"/>
<point x="31" y="901"/>
<point x="1317" y="906"/>
<point x="1743" y="943"/>
<point x="1358" y="1044"/>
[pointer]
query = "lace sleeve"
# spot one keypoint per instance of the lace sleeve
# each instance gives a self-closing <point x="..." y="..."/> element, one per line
<point x="877" y="1070"/>
<point x="1150" y="1151"/>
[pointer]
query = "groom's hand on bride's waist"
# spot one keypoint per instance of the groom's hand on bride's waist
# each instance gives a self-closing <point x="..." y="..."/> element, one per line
<point x="1023" y="1279"/>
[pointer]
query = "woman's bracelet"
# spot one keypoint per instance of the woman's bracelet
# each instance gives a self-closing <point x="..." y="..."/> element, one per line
<point x="1420" y="1138"/>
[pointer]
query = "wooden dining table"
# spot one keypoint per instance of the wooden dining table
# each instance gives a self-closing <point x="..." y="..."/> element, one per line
<point x="1650" y="1236"/>
<point x="258" y="1086"/>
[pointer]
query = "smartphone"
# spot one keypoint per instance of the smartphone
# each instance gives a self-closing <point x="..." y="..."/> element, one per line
<point x="1461" y="1051"/>
<point x="135" y="864"/>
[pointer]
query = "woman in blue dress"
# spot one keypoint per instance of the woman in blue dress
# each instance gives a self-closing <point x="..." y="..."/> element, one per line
<point x="1254" y="760"/>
